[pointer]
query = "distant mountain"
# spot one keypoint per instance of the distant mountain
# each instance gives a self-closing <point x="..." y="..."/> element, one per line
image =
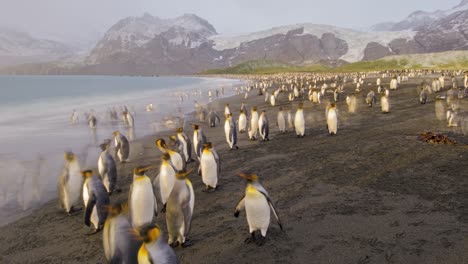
<point x="188" y="44"/>
<point x="419" y="19"/>
<point x="17" y="47"/>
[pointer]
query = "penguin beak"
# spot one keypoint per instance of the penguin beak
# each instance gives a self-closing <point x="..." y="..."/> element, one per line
<point x="245" y="176"/>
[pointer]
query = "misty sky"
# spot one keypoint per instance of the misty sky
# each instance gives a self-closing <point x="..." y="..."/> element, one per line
<point x="86" y="19"/>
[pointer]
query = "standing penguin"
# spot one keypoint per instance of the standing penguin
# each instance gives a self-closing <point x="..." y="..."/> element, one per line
<point x="70" y="183"/>
<point x="107" y="169"/>
<point x="332" y="120"/>
<point x="290" y="120"/>
<point x="272" y="100"/>
<point x="96" y="200"/>
<point x="164" y="182"/>
<point x="242" y="122"/>
<point x="231" y="132"/>
<point x="92" y="121"/>
<point x="384" y="103"/>
<point x="120" y="246"/>
<point x="227" y="111"/>
<point x="370" y="98"/>
<point x="199" y="139"/>
<point x="122" y="147"/>
<point x="186" y="144"/>
<point x="141" y="199"/>
<point x="253" y="124"/>
<point x="212" y="118"/>
<point x="210" y="168"/>
<point x="244" y="108"/>
<point x="154" y="249"/>
<point x="176" y="158"/>
<point x="257" y="204"/>
<point x="74" y="117"/>
<point x="281" y="121"/>
<point x="299" y="121"/>
<point x="179" y="210"/>
<point x="263" y="126"/>
<point x="423" y="95"/>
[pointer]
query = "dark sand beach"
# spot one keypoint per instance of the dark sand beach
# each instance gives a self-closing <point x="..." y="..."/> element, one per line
<point x="373" y="193"/>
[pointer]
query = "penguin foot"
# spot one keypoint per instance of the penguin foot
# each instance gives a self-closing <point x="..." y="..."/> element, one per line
<point x="250" y="239"/>
<point x="260" y="241"/>
<point x="187" y="243"/>
<point x="237" y="147"/>
<point x="95" y="231"/>
<point x="74" y="210"/>
<point x="174" y="244"/>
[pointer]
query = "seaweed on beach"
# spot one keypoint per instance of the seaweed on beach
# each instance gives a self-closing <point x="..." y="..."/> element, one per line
<point x="436" y="138"/>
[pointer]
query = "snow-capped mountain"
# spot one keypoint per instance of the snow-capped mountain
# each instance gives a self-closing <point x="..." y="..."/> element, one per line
<point x="18" y="47"/>
<point x="419" y="19"/>
<point x="149" y="45"/>
<point x="134" y="33"/>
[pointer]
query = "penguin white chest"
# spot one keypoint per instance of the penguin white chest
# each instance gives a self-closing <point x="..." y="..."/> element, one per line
<point x="299" y="122"/>
<point x="166" y="181"/>
<point x="176" y="159"/>
<point x="184" y="144"/>
<point x="332" y="121"/>
<point x="227" y="130"/>
<point x="242" y="122"/>
<point x="209" y="169"/>
<point x="257" y="211"/>
<point x="142" y="202"/>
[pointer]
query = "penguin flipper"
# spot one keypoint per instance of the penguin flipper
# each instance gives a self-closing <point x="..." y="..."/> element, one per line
<point x="273" y="209"/>
<point x="89" y="209"/>
<point x="240" y="205"/>
<point x="157" y="188"/>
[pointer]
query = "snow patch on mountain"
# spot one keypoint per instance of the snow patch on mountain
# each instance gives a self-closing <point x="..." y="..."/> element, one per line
<point x="356" y="40"/>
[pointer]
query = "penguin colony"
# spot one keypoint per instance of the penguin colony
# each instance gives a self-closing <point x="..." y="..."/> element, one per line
<point x="129" y="229"/>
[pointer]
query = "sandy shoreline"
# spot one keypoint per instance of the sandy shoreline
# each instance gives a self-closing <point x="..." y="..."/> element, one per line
<point x="371" y="194"/>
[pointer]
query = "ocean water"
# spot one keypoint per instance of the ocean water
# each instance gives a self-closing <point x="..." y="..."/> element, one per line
<point x="35" y="127"/>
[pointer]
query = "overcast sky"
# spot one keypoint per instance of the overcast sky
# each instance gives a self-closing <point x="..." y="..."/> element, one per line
<point x="85" y="19"/>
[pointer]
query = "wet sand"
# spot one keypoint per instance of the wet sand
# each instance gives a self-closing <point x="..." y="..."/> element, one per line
<point x="371" y="194"/>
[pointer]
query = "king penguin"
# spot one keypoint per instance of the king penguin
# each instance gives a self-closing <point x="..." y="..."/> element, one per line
<point x="107" y="169"/>
<point x="257" y="204"/>
<point x="70" y="183"/>
<point x="227" y="111"/>
<point x="179" y="210"/>
<point x="96" y="200"/>
<point x="281" y="121"/>
<point x="231" y="132"/>
<point x="210" y="168"/>
<point x="423" y="95"/>
<point x="263" y="126"/>
<point x="213" y="118"/>
<point x="186" y="145"/>
<point x="384" y="103"/>
<point x="253" y="124"/>
<point x="242" y="122"/>
<point x="122" y="147"/>
<point x="176" y="158"/>
<point x="299" y="121"/>
<point x="141" y="199"/>
<point x="164" y="182"/>
<point x="332" y="120"/>
<point x="272" y="100"/>
<point x="370" y="98"/>
<point x="120" y="246"/>
<point x="199" y="139"/>
<point x="154" y="249"/>
<point x="92" y="121"/>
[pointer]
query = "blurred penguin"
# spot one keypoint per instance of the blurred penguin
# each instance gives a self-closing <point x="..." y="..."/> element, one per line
<point x="120" y="246"/>
<point x="70" y="183"/>
<point x="154" y="249"/>
<point x="263" y="126"/>
<point x="210" y="168"/>
<point x="231" y="132"/>
<point x="281" y="120"/>
<point x="107" y="168"/>
<point x="122" y="147"/>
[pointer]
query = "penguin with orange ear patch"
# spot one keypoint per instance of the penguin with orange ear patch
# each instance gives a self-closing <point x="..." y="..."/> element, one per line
<point x="154" y="248"/>
<point x="179" y="210"/>
<point x="120" y="246"/>
<point x="257" y="204"/>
